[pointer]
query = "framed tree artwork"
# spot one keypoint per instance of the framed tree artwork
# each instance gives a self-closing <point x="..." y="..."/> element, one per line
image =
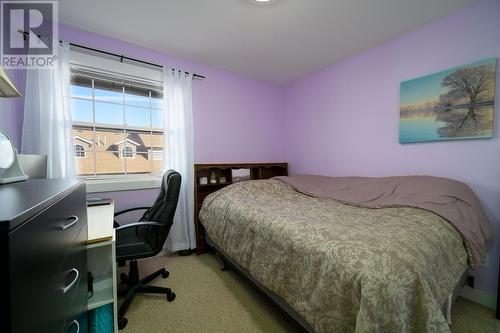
<point x="450" y="105"/>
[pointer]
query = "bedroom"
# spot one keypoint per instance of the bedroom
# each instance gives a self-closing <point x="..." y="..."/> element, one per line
<point x="316" y="85"/>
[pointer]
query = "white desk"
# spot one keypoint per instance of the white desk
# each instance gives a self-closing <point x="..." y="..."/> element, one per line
<point x="101" y="256"/>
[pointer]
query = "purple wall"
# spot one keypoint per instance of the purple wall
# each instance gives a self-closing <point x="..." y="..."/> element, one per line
<point x="340" y="121"/>
<point x="343" y="120"/>
<point x="11" y="109"/>
<point x="234" y="116"/>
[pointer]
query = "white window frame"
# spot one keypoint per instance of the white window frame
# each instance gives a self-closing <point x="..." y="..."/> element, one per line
<point x="124" y="152"/>
<point x="154" y="153"/>
<point x="111" y="183"/>
<point x="78" y="151"/>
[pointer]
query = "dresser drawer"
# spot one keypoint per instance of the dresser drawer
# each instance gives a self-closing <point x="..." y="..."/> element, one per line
<point x="45" y="239"/>
<point x="70" y="293"/>
<point x="39" y="249"/>
<point x="77" y="320"/>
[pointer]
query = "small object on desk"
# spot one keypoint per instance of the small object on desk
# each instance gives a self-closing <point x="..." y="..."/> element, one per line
<point x="100" y="222"/>
<point x="222" y="179"/>
<point x="203" y="181"/>
<point x="98" y="201"/>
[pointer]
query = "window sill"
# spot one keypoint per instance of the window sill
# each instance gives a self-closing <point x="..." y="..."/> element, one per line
<point x="127" y="183"/>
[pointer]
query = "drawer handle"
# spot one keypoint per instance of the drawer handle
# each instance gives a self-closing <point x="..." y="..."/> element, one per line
<point x="72" y="223"/>
<point x="77" y="324"/>
<point x="69" y="286"/>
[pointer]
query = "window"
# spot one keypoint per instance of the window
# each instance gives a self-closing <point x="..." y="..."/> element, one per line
<point x="80" y="151"/>
<point x="121" y="119"/>
<point x="127" y="152"/>
<point x="156" y="155"/>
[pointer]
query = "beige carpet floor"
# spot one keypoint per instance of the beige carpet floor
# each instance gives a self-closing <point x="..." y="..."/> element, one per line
<point x="209" y="300"/>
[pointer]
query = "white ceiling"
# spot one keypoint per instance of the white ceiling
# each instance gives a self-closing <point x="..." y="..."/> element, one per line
<point x="276" y="42"/>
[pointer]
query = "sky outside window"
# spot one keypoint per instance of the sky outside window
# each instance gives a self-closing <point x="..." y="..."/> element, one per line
<point x="138" y="111"/>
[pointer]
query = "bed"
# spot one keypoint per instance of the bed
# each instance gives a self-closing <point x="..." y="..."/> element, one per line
<point x="352" y="254"/>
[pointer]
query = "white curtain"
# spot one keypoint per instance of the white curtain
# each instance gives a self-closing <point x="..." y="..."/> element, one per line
<point x="47" y="117"/>
<point x="179" y="154"/>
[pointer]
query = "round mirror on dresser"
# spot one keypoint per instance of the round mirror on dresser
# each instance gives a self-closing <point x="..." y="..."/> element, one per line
<point x="10" y="170"/>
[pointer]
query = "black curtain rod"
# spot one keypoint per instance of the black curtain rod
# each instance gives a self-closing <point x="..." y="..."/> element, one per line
<point x="122" y="57"/>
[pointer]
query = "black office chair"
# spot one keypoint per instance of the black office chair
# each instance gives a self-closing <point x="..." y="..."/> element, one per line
<point x="145" y="239"/>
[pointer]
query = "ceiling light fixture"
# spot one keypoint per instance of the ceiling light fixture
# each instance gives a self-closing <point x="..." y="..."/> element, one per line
<point x="263" y="1"/>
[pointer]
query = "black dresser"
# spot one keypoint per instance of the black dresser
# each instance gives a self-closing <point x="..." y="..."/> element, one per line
<point x="43" y="258"/>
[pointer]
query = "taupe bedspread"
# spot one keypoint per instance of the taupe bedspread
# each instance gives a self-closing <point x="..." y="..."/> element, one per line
<point x="450" y="199"/>
<point x="342" y="268"/>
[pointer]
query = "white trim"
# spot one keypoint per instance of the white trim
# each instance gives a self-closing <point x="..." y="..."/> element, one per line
<point x="127" y="140"/>
<point x="82" y="139"/>
<point x="479" y="296"/>
<point x="84" y="151"/>
<point x="123" y="153"/>
<point x="179" y="246"/>
<point x="123" y="183"/>
<point x="156" y="154"/>
<point x="82" y="58"/>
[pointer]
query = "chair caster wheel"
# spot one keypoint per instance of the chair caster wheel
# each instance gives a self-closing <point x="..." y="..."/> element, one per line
<point x="122" y="322"/>
<point x="170" y="296"/>
<point x="123" y="278"/>
<point x="165" y="274"/>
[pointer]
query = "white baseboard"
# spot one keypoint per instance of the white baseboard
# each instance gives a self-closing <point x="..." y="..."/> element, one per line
<point x="479" y="296"/>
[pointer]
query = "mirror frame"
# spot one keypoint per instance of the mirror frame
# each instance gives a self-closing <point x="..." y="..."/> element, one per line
<point x="13" y="151"/>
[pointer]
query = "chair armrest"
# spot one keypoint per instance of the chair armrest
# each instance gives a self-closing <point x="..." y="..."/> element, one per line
<point x="140" y="224"/>
<point x="140" y="228"/>
<point x="130" y="210"/>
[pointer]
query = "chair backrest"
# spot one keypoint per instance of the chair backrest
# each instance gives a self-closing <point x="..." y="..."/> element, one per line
<point x="163" y="209"/>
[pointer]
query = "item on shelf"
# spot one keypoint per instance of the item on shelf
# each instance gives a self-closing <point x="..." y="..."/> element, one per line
<point x="101" y="319"/>
<point x="213" y="180"/>
<point x="98" y="201"/>
<point x="240" y="175"/>
<point x="203" y="181"/>
<point x="90" y="284"/>
<point x="227" y="174"/>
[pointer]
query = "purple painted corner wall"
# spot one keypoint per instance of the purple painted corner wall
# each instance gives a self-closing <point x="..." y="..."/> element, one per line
<point x="242" y="112"/>
<point x="343" y="120"/>
<point x="11" y="109"/>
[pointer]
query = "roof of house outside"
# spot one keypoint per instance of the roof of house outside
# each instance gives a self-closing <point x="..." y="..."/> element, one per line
<point x="108" y="144"/>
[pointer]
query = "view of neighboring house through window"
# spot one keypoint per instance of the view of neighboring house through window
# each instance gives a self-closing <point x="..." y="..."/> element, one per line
<point x="79" y="151"/>
<point x="127" y="152"/>
<point x="117" y="125"/>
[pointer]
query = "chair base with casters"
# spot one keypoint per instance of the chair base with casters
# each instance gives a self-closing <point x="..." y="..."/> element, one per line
<point x="135" y="285"/>
<point x="145" y="239"/>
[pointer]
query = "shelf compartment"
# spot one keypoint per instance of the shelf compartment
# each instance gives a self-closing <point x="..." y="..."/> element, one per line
<point x="215" y="184"/>
<point x="103" y="292"/>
